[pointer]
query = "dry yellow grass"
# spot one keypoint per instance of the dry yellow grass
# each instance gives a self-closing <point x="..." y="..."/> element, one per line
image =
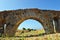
<point x="45" y="37"/>
<point x="30" y="33"/>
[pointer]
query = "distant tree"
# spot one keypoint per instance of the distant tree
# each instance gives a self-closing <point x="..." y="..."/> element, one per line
<point x="29" y="29"/>
<point x="33" y="29"/>
<point x="24" y="28"/>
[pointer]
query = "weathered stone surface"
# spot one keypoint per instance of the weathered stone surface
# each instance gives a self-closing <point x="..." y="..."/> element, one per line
<point x="14" y="17"/>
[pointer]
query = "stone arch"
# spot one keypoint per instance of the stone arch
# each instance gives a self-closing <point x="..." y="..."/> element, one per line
<point x="25" y="18"/>
<point x="35" y="18"/>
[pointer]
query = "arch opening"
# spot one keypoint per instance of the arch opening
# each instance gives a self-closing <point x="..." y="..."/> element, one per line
<point x="31" y="27"/>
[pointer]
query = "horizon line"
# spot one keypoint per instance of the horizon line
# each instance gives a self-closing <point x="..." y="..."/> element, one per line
<point x="28" y="8"/>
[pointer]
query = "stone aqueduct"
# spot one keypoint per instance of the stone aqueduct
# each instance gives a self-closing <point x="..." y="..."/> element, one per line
<point x="13" y="18"/>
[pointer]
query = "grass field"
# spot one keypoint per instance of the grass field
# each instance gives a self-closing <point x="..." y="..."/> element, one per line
<point x="30" y="33"/>
<point x="55" y="36"/>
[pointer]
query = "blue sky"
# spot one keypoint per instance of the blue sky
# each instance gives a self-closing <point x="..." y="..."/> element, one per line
<point x="30" y="23"/>
<point x="23" y="4"/>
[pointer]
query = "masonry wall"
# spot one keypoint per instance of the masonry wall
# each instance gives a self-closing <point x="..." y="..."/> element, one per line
<point x="14" y="17"/>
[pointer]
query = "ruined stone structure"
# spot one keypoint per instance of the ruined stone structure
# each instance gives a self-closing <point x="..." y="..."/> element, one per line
<point x="13" y="18"/>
